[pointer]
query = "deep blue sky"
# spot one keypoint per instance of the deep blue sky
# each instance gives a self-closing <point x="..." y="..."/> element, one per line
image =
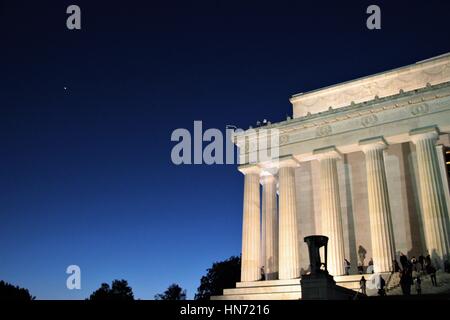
<point x="85" y="173"/>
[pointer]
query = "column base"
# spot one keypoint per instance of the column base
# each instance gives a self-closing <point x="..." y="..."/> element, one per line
<point x="282" y="289"/>
<point x="322" y="287"/>
<point x="263" y="290"/>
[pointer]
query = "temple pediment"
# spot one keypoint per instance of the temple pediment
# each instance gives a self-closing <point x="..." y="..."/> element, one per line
<point x="421" y="74"/>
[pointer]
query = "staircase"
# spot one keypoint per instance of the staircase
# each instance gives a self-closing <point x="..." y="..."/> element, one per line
<point x="443" y="287"/>
<point x="393" y="282"/>
<point x="279" y="289"/>
<point x="291" y="289"/>
<point x="263" y="290"/>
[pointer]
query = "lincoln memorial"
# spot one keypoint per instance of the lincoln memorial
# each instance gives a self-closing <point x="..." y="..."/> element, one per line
<point x="361" y="162"/>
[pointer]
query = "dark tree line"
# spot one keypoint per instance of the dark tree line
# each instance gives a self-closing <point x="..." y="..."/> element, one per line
<point x="11" y="292"/>
<point x="118" y="291"/>
<point x="221" y="275"/>
<point x="173" y="292"/>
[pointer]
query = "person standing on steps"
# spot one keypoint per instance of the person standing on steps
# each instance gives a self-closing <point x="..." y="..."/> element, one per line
<point x="418" y="286"/>
<point x="362" y="285"/>
<point x="404" y="261"/>
<point x="347" y="267"/>
<point x="381" y="286"/>
<point x="396" y="267"/>
<point x="263" y="274"/>
<point x="421" y="262"/>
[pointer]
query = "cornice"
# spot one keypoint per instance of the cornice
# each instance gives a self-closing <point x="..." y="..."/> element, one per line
<point x="367" y="111"/>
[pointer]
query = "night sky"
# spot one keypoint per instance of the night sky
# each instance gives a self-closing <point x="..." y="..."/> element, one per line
<point x="86" y="176"/>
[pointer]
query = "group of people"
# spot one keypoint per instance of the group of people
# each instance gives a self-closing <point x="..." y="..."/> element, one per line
<point x="380" y="285"/>
<point x="412" y="269"/>
<point x="361" y="268"/>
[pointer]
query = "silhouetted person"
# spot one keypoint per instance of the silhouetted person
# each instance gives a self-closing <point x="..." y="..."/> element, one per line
<point x="360" y="268"/>
<point x="396" y="267"/>
<point x="382" y="285"/>
<point x="404" y="261"/>
<point x="433" y="278"/>
<point x="431" y="270"/>
<point x="427" y="260"/>
<point x="421" y="261"/>
<point x="362" y="284"/>
<point x="416" y="265"/>
<point x="263" y="273"/>
<point x="347" y="266"/>
<point x="447" y="266"/>
<point x="413" y="263"/>
<point x="406" y="281"/>
<point x="370" y="267"/>
<point x="418" y="286"/>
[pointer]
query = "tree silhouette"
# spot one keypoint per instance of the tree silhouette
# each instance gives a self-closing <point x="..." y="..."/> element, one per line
<point x="221" y="275"/>
<point x="10" y="292"/>
<point x="119" y="290"/>
<point x="173" y="292"/>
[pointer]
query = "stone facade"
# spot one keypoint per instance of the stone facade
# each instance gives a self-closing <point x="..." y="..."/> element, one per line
<point x="361" y="162"/>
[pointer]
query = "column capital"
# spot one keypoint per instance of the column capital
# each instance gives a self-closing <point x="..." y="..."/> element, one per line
<point x="288" y="162"/>
<point x="285" y="161"/>
<point x="424" y="133"/>
<point x="269" y="167"/>
<point x="249" y="169"/>
<point x="375" y="143"/>
<point x="267" y="177"/>
<point x="330" y="152"/>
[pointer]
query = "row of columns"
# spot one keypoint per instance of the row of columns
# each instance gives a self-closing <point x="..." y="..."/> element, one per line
<point x="281" y="234"/>
<point x="432" y="194"/>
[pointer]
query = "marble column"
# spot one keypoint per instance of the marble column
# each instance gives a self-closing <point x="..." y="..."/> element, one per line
<point x="330" y="203"/>
<point x="270" y="223"/>
<point x="383" y="251"/>
<point x="288" y="254"/>
<point x="432" y="196"/>
<point x="441" y="150"/>
<point x="251" y="233"/>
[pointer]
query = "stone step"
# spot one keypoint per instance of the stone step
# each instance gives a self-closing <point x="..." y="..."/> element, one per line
<point x="261" y="296"/>
<point x="352" y="282"/>
<point x="283" y="289"/>
<point x="253" y="290"/>
<point x="357" y="277"/>
<point x="351" y="278"/>
<point x="267" y="283"/>
<point x="349" y="285"/>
